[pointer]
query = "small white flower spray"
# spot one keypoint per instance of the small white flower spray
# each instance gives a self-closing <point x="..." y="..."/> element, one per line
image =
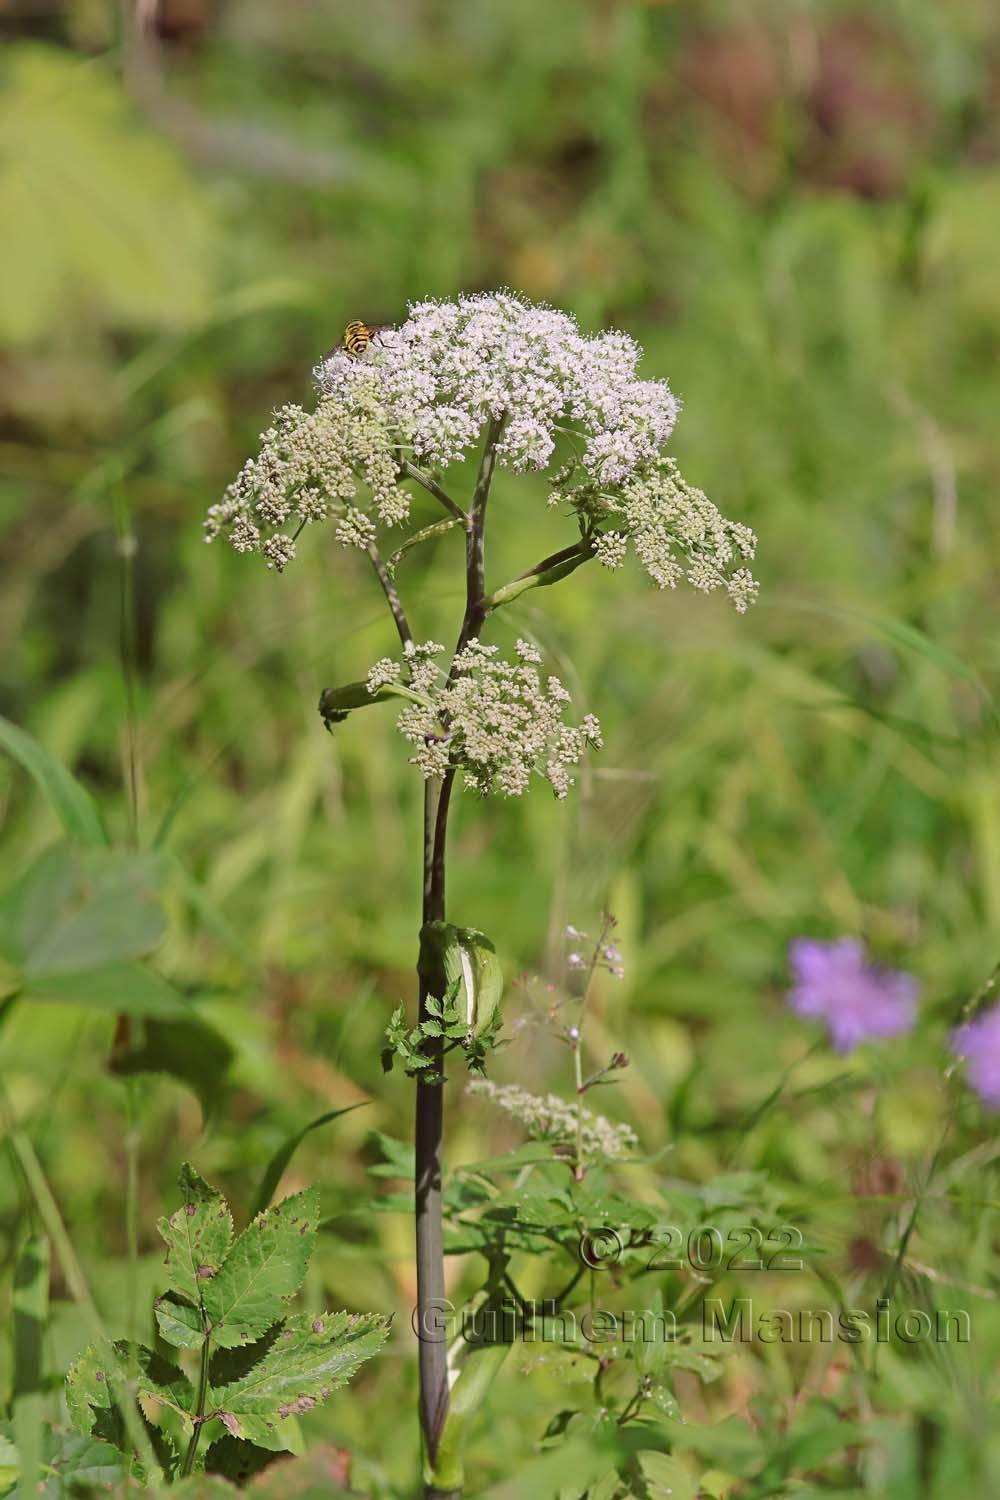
<point x="495" y="374"/>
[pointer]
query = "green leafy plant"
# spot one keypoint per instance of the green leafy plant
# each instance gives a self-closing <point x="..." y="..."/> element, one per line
<point x="467" y="1016"/>
<point x="226" y="1307"/>
<point x="523" y="386"/>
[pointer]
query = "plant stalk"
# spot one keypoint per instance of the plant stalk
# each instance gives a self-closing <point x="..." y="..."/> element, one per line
<point x="433" y="1348"/>
<point x="199" y="1416"/>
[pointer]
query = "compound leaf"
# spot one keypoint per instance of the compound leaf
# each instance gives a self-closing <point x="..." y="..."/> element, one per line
<point x="311" y="1357"/>
<point x="266" y="1265"/>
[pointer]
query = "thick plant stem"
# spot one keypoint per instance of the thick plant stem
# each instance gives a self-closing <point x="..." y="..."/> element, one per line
<point x="431" y="1306"/>
<point x="433" y="1349"/>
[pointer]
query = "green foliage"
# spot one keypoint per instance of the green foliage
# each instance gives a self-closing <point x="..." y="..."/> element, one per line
<point x="81" y="190"/>
<point x="227" y="1296"/>
<point x="306" y="1359"/>
<point x="197" y="1236"/>
<point x="279" y="1162"/>
<point x="446" y="1019"/>
<point x="466" y="1017"/>
<point x="72" y="924"/>
<point x="796" y="211"/>
<point x="265" y="1267"/>
<point x="73" y="805"/>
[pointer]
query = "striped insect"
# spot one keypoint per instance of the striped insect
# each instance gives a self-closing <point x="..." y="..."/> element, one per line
<point x="358" y="335"/>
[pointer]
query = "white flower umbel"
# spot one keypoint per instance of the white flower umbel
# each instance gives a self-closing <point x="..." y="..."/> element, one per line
<point x="335" y="462"/>
<point x="546" y="1117"/>
<point x="423" y="395"/>
<point x="676" y="531"/>
<point x="495" y="719"/>
<point x="453" y="365"/>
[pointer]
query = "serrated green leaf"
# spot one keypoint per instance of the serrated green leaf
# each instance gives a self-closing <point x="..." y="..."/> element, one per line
<point x="198" y="1236"/>
<point x="264" y="1268"/>
<point x="179" y="1322"/>
<point x="88" y="1389"/>
<point x="311" y="1357"/>
<point x="161" y="1381"/>
<point x="92" y="1377"/>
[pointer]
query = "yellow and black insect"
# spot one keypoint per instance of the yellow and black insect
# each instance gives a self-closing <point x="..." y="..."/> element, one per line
<point x="358" y="335"/>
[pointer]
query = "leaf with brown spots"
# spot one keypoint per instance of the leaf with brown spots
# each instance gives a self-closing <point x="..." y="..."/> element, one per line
<point x="310" y="1358"/>
<point x="265" y="1267"/>
<point x="197" y="1236"/>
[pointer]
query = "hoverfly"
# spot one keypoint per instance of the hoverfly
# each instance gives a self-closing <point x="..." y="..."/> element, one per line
<point x="358" y="335"/>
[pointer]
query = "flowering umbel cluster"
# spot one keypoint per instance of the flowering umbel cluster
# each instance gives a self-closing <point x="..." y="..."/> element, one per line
<point x="549" y="1118"/>
<point x="336" y="462"/>
<point x="424" y="393"/>
<point x="496" y="719"/>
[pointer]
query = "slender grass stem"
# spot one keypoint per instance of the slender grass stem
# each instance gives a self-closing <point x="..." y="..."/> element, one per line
<point x="579" y="1166"/>
<point x="50" y="1216"/>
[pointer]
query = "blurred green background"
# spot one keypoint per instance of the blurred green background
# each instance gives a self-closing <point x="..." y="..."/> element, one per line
<point x="795" y="208"/>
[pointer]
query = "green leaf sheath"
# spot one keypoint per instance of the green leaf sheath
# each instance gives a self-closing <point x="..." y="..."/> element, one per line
<point x="468" y="961"/>
<point x="336" y="703"/>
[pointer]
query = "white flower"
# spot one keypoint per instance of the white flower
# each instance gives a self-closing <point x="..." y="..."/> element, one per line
<point x="610" y="548"/>
<point x="453" y="365"/>
<point x="492" y="717"/>
<point x="429" y="389"/>
<point x="676" y="531"/>
<point x="382" y="673"/>
<point x="278" y="551"/>
<point x="312" y="465"/>
<point x="549" y="1118"/>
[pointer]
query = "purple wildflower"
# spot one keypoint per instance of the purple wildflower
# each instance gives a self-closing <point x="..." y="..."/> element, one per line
<point x="836" y="983"/>
<point x="978" y="1042"/>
